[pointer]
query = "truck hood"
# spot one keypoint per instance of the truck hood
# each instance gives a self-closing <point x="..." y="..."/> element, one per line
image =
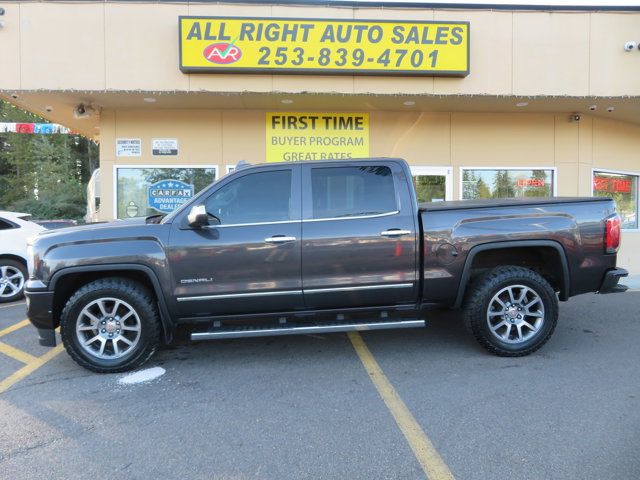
<point x="93" y="226"/>
<point x="133" y="228"/>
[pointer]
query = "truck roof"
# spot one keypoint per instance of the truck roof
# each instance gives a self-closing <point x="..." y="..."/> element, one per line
<point x="243" y="165"/>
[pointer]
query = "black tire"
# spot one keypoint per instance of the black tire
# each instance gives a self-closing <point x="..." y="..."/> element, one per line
<point x="14" y="267"/>
<point x="108" y="291"/>
<point x="508" y="329"/>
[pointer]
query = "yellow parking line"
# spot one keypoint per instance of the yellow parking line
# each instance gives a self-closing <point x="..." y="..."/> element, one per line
<point x="29" y="368"/>
<point x="430" y="461"/>
<point x="14" y="327"/>
<point x="16" y="354"/>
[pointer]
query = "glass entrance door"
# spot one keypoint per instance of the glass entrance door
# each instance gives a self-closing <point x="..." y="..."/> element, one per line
<point x="433" y="184"/>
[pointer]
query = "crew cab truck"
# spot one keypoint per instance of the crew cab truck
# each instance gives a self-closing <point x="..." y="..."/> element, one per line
<point x="312" y="247"/>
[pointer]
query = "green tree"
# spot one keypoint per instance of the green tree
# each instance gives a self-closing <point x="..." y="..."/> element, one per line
<point x="483" y="189"/>
<point x="503" y="185"/>
<point x="45" y="175"/>
<point x="469" y="185"/>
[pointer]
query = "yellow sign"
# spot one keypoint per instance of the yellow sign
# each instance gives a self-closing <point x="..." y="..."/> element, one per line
<point x="294" y="45"/>
<point x="316" y="136"/>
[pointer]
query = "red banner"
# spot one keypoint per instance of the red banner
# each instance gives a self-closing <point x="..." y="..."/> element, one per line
<point x="530" y="182"/>
<point x="613" y="185"/>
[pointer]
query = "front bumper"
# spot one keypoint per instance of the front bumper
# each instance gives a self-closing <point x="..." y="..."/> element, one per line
<point x="40" y="313"/>
<point x="611" y="279"/>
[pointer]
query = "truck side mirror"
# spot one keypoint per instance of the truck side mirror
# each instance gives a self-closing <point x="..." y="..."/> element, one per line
<point x="198" y="217"/>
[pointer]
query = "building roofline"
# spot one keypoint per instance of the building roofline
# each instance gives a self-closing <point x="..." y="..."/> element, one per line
<point x="550" y="5"/>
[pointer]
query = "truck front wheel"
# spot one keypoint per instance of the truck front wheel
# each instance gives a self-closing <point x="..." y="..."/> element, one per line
<point x="512" y="311"/>
<point x="110" y="325"/>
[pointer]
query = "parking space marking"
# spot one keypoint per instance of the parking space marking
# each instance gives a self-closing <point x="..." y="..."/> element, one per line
<point x="430" y="461"/>
<point x="16" y="353"/>
<point x="14" y="327"/>
<point x="12" y="305"/>
<point x="29" y="368"/>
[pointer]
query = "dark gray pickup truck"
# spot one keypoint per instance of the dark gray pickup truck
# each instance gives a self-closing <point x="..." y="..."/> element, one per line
<point x="279" y="249"/>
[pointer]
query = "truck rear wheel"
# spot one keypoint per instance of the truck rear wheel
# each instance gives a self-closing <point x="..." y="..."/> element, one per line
<point x="110" y="325"/>
<point x="512" y="311"/>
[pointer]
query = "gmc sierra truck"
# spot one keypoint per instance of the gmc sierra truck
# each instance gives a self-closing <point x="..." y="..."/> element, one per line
<point x="298" y="248"/>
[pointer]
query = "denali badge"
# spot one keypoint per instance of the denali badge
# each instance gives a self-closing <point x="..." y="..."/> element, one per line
<point x="196" y="280"/>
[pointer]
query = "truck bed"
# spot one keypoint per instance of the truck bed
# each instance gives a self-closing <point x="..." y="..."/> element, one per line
<point x="564" y="235"/>
<point x="504" y="202"/>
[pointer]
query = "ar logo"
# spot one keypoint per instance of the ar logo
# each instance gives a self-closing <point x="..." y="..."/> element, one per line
<point x="222" y="53"/>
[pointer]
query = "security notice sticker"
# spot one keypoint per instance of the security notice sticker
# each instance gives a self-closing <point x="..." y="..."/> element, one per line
<point x="128" y="147"/>
<point x="316" y="136"/>
<point x="294" y="45"/>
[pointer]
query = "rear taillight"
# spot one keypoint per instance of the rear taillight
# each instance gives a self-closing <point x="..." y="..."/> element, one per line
<point x="612" y="234"/>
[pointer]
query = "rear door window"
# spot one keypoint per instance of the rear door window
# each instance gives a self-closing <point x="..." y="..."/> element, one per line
<point x="343" y="192"/>
<point x="5" y="225"/>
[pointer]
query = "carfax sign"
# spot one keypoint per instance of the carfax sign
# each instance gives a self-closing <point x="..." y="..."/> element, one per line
<point x="167" y="195"/>
<point x="293" y="45"/>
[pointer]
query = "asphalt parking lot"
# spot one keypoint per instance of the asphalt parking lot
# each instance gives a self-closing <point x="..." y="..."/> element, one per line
<point x="309" y="407"/>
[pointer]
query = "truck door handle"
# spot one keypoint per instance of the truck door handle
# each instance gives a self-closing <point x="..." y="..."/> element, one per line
<point x="279" y="239"/>
<point x="395" y="232"/>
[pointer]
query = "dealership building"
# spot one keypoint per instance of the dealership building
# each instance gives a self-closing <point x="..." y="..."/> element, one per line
<point x="492" y="100"/>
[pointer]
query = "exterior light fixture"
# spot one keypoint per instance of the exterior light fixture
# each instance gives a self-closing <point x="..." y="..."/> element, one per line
<point x="522" y="104"/>
<point x="286" y="101"/>
<point x="408" y="103"/>
<point x="149" y="99"/>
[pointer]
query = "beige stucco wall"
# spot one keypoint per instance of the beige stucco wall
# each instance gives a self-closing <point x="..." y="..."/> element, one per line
<point x="106" y="47"/>
<point x="128" y="46"/>
<point x="212" y="137"/>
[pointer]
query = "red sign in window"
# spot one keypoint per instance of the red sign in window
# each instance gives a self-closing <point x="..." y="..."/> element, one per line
<point x="613" y="185"/>
<point x="530" y="182"/>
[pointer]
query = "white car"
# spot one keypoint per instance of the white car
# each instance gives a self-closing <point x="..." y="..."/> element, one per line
<point x="15" y="230"/>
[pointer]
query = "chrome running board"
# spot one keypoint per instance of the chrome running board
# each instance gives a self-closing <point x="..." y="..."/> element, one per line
<point x="272" y="330"/>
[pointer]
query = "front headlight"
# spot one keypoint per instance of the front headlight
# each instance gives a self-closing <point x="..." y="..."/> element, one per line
<point x="30" y="261"/>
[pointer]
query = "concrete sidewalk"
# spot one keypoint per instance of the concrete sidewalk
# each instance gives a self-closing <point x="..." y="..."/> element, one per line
<point x="632" y="281"/>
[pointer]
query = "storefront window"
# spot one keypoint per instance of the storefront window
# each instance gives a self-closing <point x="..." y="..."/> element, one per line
<point x="143" y="191"/>
<point x="623" y="189"/>
<point x="430" y="188"/>
<point x="512" y="183"/>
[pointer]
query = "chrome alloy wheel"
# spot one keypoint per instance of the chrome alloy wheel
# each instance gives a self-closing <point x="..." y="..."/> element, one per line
<point x="108" y="328"/>
<point x="11" y="281"/>
<point x="515" y="314"/>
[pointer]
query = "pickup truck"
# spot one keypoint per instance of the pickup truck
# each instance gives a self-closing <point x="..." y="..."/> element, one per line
<point x="313" y="247"/>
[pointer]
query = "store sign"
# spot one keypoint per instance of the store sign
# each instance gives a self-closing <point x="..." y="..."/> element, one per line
<point x="316" y="136"/>
<point x="167" y="195"/>
<point x="613" y="185"/>
<point x="163" y="147"/>
<point x="128" y="147"/>
<point x="530" y="182"/>
<point x="294" y="45"/>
